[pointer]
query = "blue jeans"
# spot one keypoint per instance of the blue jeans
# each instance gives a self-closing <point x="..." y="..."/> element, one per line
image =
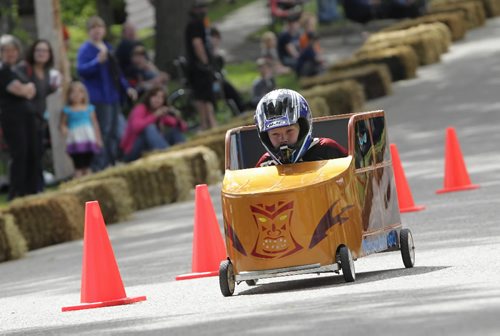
<point x="151" y="138"/>
<point x="327" y="11"/>
<point x="108" y="117"/>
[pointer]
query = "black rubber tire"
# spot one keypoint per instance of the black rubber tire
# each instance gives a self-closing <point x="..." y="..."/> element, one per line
<point x="251" y="283"/>
<point x="226" y="278"/>
<point x="347" y="264"/>
<point x="407" y="248"/>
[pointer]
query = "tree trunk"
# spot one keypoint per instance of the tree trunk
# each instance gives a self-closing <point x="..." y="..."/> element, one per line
<point x="171" y="20"/>
<point x="105" y="11"/>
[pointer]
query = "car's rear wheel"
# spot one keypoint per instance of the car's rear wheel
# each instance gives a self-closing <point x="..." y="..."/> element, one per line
<point x="407" y="248"/>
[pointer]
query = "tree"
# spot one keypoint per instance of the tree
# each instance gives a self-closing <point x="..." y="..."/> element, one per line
<point x="171" y="20"/>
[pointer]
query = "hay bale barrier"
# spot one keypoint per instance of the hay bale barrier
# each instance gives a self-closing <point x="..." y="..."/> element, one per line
<point x="48" y="219"/>
<point x="12" y="242"/>
<point x="402" y="61"/>
<point x="342" y="97"/>
<point x="375" y="79"/>
<point x="319" y="107"/>
<point x="113" y="196"/>
<point x="454" y="21"/>
<point x="473" y="10"/>
<point x="428" y="41"/>
<point x="215" y="142"/>
<point x="202" y="163"/>
<point x="491" y="8"/>
<point x="171" y="179"/>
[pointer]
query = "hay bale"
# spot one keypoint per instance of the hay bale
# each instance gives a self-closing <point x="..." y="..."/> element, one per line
<point x="202" y="163"/>
<point x="401" y="61"/>
<point x="455" y="22"/>
<point x="216" y="142"/>
<point x="113" y="196"/>
<point x="319" y="107"/>
<point x="491" y="8"/>
<point x="472" y="10"/>
<point x="12" y="243"/>
<point x="428" y="41"/>
<point x="48" y="218"/>
<point x="173" y="177"/>
<point x="243" y="119"/>
<point x="375" y="79"/>
<point x="341" y="98"/>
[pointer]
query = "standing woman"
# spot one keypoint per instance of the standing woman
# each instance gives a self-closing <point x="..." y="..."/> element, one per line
<point x="18" y="120"/>
<point x="39" y="69"/>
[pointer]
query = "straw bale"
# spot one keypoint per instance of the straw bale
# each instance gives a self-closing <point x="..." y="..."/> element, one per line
<point x="172" y="178"/>
<point x="243" y="119"/>
<point x="319" y="107"/>
<point x="113" y="196"/>
<point x="473" y="11"/>
<point x="491" y="8"/>
<point x="202" y="162"/>
<point x="216" y="142"/>
<point x="12" y="242"/>
<point x="455" y="21"/>
<point x="342" y="97"/>
<point x="48" y="219"/>
<point x="375" y="79"/>
<point x="428" y="42"/>
<point x="401" y="61"/>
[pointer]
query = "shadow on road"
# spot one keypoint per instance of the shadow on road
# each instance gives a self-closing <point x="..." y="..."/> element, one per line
<point x="337" y="280"/>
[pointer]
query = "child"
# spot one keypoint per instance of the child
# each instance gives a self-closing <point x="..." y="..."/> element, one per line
<point x="265" y="83"/>
<point x="152" y="125"/>
<point x="269" y="51"/>
<point x="79" y="126"/>
<point x="284" y="123"/>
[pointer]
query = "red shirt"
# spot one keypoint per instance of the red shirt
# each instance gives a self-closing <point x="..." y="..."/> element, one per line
<point x="320" y="149"/>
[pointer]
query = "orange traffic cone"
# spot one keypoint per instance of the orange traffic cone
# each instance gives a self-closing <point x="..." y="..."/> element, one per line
<point x="102" y="284"/>
<point x="456" y="177"/>
<point x="405" y="199"/>
<point x="208" y="246"/>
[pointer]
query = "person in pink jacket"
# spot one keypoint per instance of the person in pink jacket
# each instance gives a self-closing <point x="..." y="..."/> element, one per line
<point x="152" y="125"/>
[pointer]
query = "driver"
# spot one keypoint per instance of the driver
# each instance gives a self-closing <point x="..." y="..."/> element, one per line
<point x="284" y="123"/>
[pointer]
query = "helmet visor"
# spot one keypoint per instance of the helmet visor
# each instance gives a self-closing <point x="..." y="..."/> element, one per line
<point x="278" y="113"/>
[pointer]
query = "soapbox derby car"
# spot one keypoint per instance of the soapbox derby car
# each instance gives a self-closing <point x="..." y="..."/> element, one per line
<point x="310" y="217"/>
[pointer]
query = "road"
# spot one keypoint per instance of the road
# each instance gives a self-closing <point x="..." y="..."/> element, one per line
<point x="454" y="288"/>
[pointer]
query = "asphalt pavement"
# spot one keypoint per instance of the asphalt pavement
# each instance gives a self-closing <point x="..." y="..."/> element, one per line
<point x="454" y="288"/>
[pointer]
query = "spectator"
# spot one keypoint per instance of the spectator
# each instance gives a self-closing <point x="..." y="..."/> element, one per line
<point x="310" y="62"/>
<point x="18" y="120"/>
<point x="124" y="50"/>
<point x="288" y="43"/>
<point x="105" y="83"/>
<point x="80" y="128"/>
<point x="228" y="90"/>
<point x="285" y="9"/>
<point x="263" y="85"/>
<point x="152" y="125"/>
<point x="268" y="50"/>
<point x="327" y="11"/>
<point x="39" y="69"/>
<point x="142" y="73"/>
<point x="199" y="56"/>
